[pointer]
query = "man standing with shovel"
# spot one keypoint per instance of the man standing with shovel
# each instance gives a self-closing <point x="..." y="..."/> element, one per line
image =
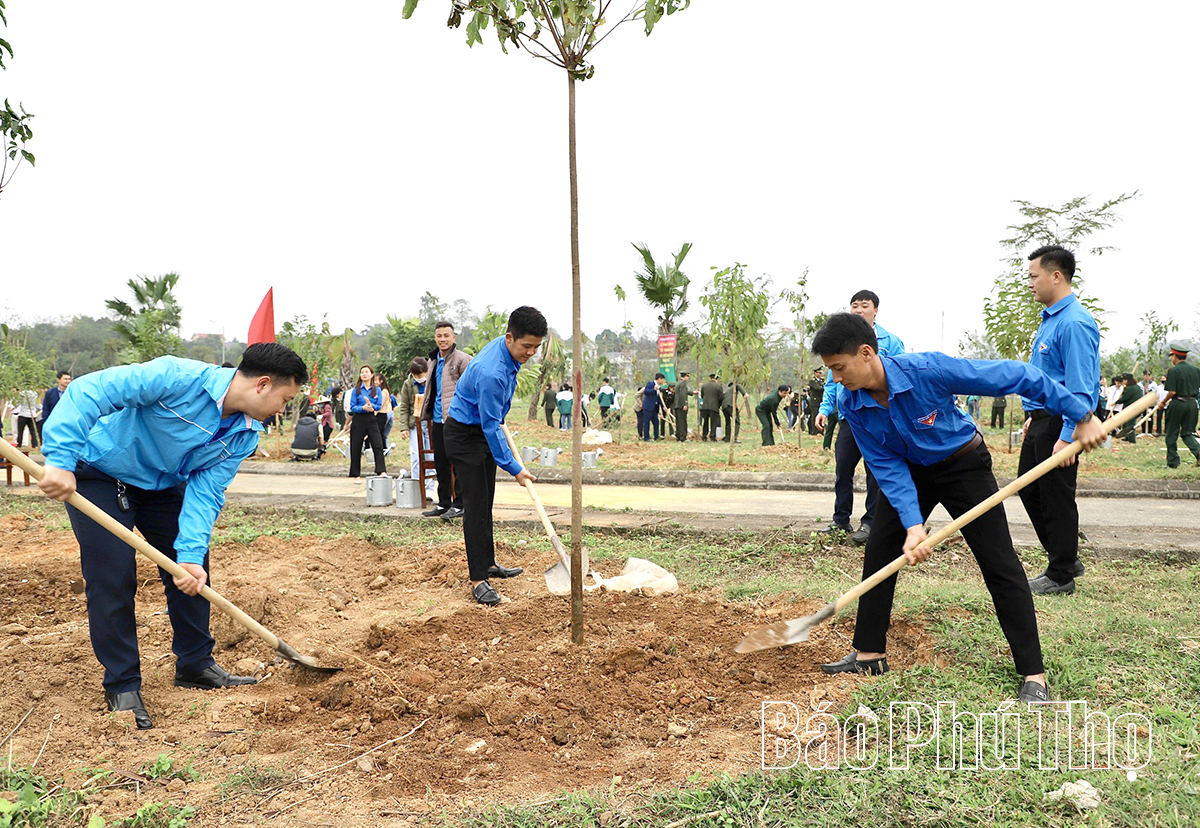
<point x="476" y="445"/>
<point x="155" y="446"/>
<point x="924" y="451"/>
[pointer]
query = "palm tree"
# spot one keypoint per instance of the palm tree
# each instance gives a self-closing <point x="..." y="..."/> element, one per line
<point x="553" y="361"/>
<point x="152" y="328"/>
<point x="664" y="287"/>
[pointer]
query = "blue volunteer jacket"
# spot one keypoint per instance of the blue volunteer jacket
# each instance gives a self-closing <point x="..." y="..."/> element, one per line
<point x="889" y="345"/>
<point x="923" y="426"/>
<point x="483" y="396"/>
<point x="154" y="426"/>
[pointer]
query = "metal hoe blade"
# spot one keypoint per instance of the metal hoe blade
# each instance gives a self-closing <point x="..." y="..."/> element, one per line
<point x="782" y="633"/>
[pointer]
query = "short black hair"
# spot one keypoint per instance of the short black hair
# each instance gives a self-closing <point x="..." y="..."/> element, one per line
<point x="1129" y="377"/>
<point x="660" y="375"/>
<point x="1056" y="257"/>
<point x="527" y="321"/>
<point x="844" y="333"/>
<point x="443" y="323"/>
<point x="866" y="295"/>
<point x="783" y="389"/>
<point x="419" y="365"/>
<point x="273" y="360"/>
<point x="62" y="374"/>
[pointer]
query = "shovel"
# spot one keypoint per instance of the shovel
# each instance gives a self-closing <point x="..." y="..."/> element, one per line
<point x="558" y="577"/>
<point x="794" y="631"/>
<point x="311" y="670"/>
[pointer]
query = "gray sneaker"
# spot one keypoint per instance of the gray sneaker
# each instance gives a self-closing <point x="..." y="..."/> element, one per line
<point x="1042" y="585"/>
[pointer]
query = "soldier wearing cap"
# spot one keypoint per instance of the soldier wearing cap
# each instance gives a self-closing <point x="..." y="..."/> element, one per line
<point x="1183" y="386"/>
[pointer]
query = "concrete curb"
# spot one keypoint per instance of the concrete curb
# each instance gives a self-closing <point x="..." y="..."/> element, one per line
<point x="777" y="481"/>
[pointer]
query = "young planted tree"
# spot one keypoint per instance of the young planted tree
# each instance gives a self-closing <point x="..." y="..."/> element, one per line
<point x="551" y="364"/>
<point x="797" y="300"/>
<point x="14" y="125"/>
<point x="1011" y="317"/>
<point x="575" y="28"/>
<point x="736" y="309"/>
<point x="20" y="368"/>
<point x="1152" y="347"/>
<point x="151" y="329"/>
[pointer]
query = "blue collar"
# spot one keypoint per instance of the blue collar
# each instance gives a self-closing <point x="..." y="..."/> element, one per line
<point x="897" y="382"/>
<point x="1060" y="305"/>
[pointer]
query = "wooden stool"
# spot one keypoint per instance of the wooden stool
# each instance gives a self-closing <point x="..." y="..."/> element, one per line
<point x="8" y="468"/>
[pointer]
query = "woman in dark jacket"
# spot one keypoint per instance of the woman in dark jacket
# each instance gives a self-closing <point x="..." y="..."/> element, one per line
<point x="366" y="400"/>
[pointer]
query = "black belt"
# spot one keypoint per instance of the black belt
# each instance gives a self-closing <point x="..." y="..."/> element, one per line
<point x="967" y="447"/>
<point x="1177" y="397"/>
<point x="1040" y="414"/>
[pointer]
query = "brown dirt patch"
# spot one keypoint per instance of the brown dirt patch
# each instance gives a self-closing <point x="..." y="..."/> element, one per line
<point x="495" y="705"/>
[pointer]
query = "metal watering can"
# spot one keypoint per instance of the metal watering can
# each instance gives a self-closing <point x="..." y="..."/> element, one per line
<point x="528" y="455"/>
<point x="409" y="494"/>
<point x="379" y="491"/>
<point x="549" y="456"/>
<point x="587" y="459"/>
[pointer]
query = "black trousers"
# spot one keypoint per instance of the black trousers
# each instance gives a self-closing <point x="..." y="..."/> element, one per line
<point x="845" y="458"/>
<point x="681" y="427"/>
<point x="709" y="420"/>
<point x="449" y="487"/>
<point x="31" y="424"/>
<point x="998" y="415"/>
<point x="365" y="426"/>
<point x="1050" y="500"/>
<point x="727" y="413"/>
<point x="1158" y="421"/>
<point x="110" y="575"/>
<point x="959" y="485"/>
<point x="550" y="417"/>
<point x="475" y="470"/>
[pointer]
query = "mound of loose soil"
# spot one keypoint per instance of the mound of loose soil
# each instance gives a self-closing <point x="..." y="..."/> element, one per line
<point x="472" y="705"/>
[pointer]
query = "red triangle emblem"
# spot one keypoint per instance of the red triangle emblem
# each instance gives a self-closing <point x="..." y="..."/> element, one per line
<point x="928" y="418"/>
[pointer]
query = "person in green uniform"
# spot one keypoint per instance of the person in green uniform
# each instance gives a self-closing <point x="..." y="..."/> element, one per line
<point x="679" y="406"/>
<point x="549" y="403"/>
<point x="1131" y="394"/>
<point x="1183" y="386"/>
<point x="768" y="412"/>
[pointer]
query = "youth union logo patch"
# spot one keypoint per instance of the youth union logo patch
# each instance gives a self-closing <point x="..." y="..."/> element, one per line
<point x="928" y="418"/>
<point x="1042" y="346"/>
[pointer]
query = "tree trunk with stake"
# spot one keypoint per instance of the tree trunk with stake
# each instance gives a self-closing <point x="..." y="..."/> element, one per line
<point x="576" y="385"/>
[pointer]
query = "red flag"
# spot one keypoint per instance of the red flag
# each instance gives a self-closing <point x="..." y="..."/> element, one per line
<point x="262" y="326"/>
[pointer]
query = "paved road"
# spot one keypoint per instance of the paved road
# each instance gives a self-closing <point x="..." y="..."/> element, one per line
<point x="1114" y="525"/>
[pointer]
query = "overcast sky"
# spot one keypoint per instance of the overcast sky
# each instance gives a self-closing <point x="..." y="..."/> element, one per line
<point x="353" y="160"/>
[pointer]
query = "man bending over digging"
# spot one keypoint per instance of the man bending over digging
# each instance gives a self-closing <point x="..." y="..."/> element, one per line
<point x="155" y="445"/>
<point x="923" y="451"/>
<point x="476" y="445"/>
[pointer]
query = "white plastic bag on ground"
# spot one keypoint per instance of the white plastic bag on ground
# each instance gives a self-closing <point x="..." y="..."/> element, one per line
<point x="640" y="576"/>
<point x="593" y="437"/>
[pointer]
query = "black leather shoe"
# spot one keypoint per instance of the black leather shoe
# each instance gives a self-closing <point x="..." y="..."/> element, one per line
<point x="852" y="664"/>
<point x="212" y="678"/>
<point x="861" y="535"/>
<point x="834" y="527"/>
<point x="499" y="571"/>
<point x="131" y="700"/>
<point x="436" y="511"/>
<point x="1045" y="585"/>
<point x="452" y="513"/>
<point x="1031" y="691"/>
<point x="485" y="595"/>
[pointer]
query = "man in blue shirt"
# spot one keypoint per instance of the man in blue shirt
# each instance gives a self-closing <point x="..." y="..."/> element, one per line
<point x="1067" y="348"/>
<point x="846" y="455"/>
<point x="925" y="451"/>
<point x="155" y="445"/>
<point x="476" y="445"/>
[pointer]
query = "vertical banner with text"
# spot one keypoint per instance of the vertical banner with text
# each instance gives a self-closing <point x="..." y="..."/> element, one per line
<point x="666" y="356"/>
